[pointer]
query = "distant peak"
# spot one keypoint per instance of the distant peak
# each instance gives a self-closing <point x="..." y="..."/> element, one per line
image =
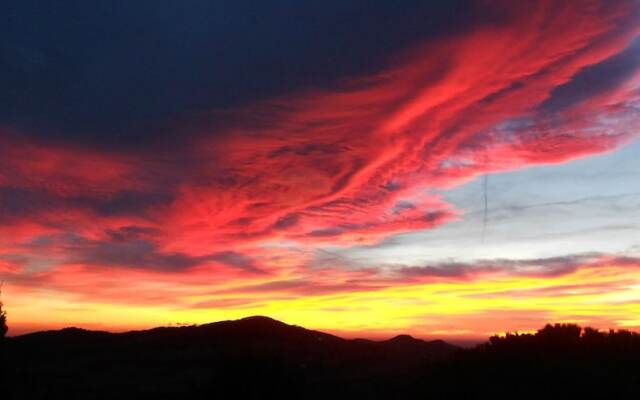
<point x="403" y="339"/>
<point x="72" y="329"/>
<point x="260" y="318"/>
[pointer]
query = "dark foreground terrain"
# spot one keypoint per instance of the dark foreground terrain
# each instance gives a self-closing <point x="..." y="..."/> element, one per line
<point x="259" y="357"/>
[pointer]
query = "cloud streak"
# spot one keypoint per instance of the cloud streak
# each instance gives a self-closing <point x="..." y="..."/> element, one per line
<point x="254" y="191"/>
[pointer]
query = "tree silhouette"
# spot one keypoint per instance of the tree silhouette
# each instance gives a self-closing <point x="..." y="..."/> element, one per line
<point x="3" y="319"/>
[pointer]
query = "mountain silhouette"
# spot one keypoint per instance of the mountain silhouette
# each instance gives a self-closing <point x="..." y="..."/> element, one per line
<point x="256" y="335"/>
<point x="259" y="357"/>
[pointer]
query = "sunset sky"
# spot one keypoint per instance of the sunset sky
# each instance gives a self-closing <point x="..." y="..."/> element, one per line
<point x="446" y="169"/>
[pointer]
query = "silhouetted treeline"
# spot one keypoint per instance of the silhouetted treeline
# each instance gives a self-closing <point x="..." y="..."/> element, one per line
<point x="259" y="357"/>
<point x="558" y="360"/>
<point x="565" y="337"/>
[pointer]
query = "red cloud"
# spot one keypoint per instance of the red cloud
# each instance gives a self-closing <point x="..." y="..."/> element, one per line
<point x="356" y="164"/>
<point x="65" y="170"/>
<point x="352" y="164"/>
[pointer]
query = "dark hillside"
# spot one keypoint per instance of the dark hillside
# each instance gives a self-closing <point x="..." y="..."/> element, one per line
<point x="258" y="357"/>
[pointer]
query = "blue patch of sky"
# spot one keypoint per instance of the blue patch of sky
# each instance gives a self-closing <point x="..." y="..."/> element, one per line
<point x="586" y="205"/>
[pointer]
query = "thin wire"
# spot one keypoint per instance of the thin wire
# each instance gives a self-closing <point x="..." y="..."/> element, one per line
<point x="485" y="193"/>
<point x="486" y="206"/>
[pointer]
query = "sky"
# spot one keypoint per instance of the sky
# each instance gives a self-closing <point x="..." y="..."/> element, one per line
<point x="448" y="169"/>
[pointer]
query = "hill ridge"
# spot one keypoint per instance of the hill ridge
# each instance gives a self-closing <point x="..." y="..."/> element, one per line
<point x="253" y="321"/>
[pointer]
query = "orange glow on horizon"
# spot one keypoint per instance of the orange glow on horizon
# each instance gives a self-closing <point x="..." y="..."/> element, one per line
<point x="456" y="309"/>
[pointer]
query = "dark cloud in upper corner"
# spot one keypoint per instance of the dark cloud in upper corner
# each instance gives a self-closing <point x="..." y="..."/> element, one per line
<point x="595" y="79"/>
<point x="111" y="73"/>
